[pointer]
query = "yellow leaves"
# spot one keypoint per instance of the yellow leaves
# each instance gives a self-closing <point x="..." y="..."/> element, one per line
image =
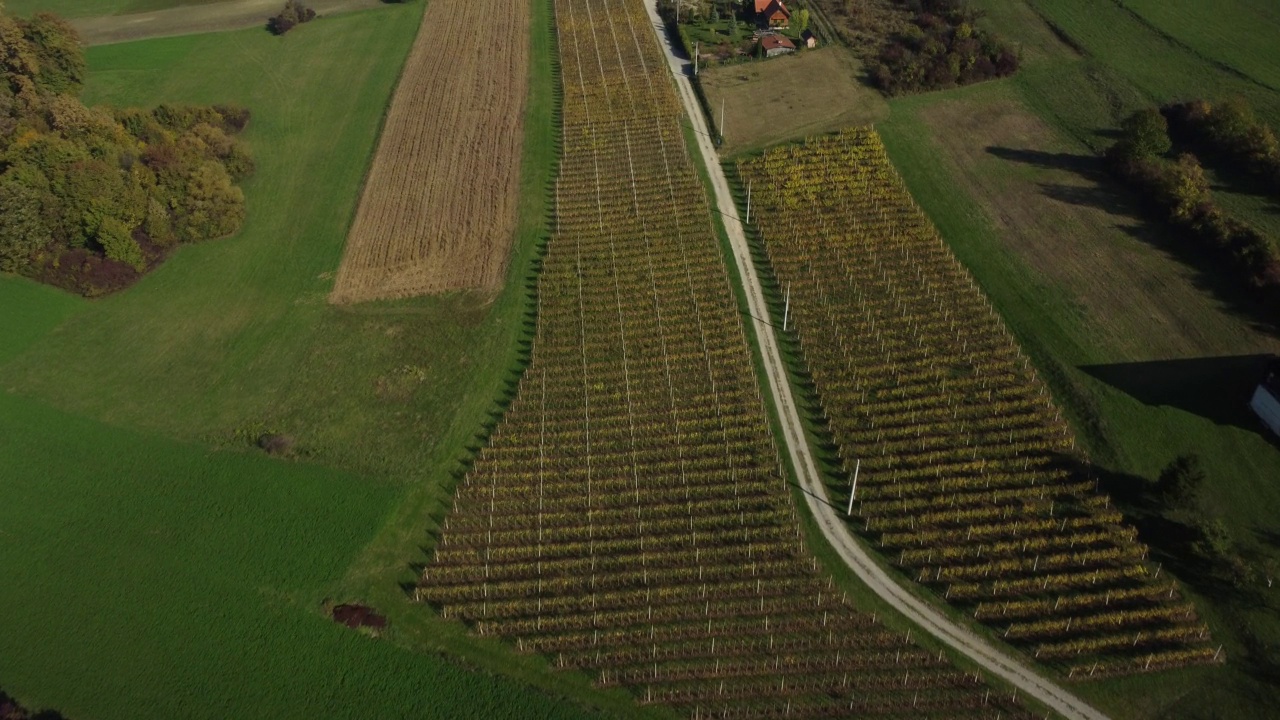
<point x="25" y="138"/>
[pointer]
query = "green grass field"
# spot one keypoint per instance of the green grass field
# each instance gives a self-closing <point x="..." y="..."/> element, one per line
<point x="1240" y="34"/>
<point x="1008" y="172"/>
<point x="234" y="337"/>
<point x="178" y="570"/>
<point x="147" y="578"/>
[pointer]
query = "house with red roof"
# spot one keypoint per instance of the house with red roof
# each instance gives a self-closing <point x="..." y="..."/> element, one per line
<point x="774" y="45"/>
<point x="772" y="13"/>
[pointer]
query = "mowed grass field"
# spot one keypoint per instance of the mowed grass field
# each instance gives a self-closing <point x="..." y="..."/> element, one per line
<point x="91" y="8"/>
<point x="170" y="570"/>
<point x="790" y="97"/>
<point x="1152" y="355"/>
<point x="232" y="338"/>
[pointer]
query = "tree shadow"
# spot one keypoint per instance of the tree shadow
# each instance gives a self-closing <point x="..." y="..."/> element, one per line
<point x="1217" y="389"/>
<point x="1099" y="192"/>
<point x="1170" y="539"/>
<point x="1103" y="192"/>
<point x="1086" y="166"/>
<point x="1210" y="276"/>
<point x="1095" y="196"/>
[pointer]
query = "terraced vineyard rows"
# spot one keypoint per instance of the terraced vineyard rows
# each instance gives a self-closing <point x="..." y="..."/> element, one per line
<point x="968" y="479"/>
<point x="627" y="517"/>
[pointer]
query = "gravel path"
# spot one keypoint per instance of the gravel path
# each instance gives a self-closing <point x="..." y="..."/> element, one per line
<point x="929" y="618"/>
<point x="209" y="17"/>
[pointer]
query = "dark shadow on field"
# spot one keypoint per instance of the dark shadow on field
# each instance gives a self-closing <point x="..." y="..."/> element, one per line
<point x="1100" y="192"/>
<point x="1170" y="537"/>
<point x="1097" y="196"/>
<point x="1212" y="276"/>
<point x="1215" y="388"/>
<point x="1208" y="274"/>
<point x="1087" y="166"/>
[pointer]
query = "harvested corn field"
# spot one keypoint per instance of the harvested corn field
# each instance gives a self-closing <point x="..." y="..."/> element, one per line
<point x="628" y="517"/>
<point x="438" y="210"/>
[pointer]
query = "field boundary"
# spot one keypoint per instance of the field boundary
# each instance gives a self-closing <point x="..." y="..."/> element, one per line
<point x="439" y="207"/>
<point x="195" y="19"/>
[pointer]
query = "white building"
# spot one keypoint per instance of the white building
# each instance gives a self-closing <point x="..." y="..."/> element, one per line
<point x="1266" y="398"/>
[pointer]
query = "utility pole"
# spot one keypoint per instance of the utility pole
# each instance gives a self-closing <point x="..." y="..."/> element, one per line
<point x="853" y="491"/>
<point x="748" y="202"/>
<point x="786" y="311"/>
<point x="721" y="119"/>
<point x="696" y="44"/>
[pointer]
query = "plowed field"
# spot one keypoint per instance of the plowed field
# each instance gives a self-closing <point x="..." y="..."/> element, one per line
<point x="439" y="206"/>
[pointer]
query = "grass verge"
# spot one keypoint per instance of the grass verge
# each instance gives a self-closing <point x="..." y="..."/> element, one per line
<point x="223" y="617"/>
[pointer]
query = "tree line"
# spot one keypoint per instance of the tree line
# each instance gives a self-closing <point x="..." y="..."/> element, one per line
<point x="1175" y="187"/>
<point x="91" y="198"/>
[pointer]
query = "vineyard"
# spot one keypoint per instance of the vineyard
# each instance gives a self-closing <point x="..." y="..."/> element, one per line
<point x="628" y="518"/>
<point x="438" y="211"/>
<point x="967" y="477"/>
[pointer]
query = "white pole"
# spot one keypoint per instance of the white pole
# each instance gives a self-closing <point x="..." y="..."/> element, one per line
<point x="721" y="118"/>
<point x="696" y="52"/>
<point x="854" y="490"/>
<point x="748" y="201"/>
<point x="786" y="311"/>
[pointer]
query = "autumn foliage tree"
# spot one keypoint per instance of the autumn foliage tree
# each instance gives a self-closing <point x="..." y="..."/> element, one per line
<point x="92" y="197"/>
<point x="1230" y="130"/>
<point x="940" y="47"/>
<point x="1179" y="191"/>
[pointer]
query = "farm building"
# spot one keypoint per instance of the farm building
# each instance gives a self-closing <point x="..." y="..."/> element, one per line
<point x="772" y="13"/>
<point x="776" y="45"/>
<point x="1266" y="398"/>
<point x="809" y="39"/>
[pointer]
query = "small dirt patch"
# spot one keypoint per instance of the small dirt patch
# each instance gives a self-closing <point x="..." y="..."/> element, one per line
<point x="358" y="616"/>
<point x="276" y="443"/>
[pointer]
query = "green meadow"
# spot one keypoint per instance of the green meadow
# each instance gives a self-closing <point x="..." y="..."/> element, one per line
<point x="150" y="578"/>
<point x="157" y="564"/>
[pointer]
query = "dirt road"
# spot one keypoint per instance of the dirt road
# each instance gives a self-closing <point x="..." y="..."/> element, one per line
<point x="210" y="17"/>
<point x="837" y="533"/>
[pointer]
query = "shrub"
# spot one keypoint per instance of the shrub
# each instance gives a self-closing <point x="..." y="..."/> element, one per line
<point x="293" y="14"/>
<point x="1231" y="130"/>
<point x="1146" y="132"/>
<point x="118" y="244"/>
<point x="1181" y="481"/>
<point x="940" y="48"/>
<point x="1180" y="192"/>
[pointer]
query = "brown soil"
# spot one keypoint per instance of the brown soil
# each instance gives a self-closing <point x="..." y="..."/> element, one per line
<point x="439" y="206"/>
<point x="354" y="616"/>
